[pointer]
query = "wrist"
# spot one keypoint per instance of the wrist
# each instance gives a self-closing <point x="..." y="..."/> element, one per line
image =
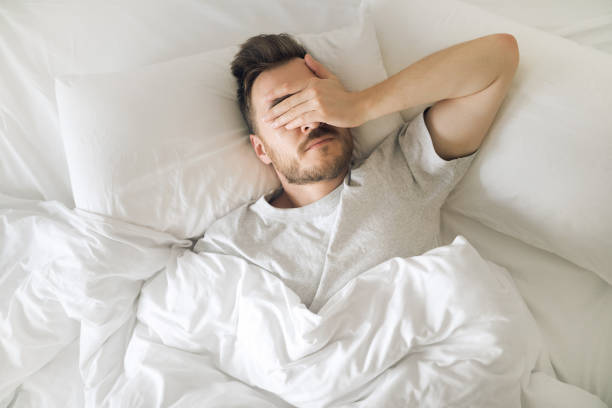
<point x="364" y="105"/>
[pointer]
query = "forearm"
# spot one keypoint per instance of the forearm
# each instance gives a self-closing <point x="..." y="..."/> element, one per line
<point x="460" y="70"/>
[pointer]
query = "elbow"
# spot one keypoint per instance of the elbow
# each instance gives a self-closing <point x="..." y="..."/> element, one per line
<point x="509" y="45"/>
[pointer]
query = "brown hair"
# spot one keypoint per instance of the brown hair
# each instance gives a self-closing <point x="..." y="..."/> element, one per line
<point x="257" y="54"/>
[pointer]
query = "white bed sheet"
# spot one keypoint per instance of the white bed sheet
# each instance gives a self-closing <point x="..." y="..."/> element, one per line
<point x="571" y="305"/>
<point x="190" y="336"/>
<point x="56" y="385"/>
<point x="39" y="40"/>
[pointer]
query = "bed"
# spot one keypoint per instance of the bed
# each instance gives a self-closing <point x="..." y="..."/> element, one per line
<point x="92" y="310"/>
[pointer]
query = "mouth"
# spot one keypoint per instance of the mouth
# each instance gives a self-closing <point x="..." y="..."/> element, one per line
<point x="319" y="142"/>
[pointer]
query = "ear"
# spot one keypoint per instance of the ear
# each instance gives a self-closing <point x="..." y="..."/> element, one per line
<point x="260" y="149"/>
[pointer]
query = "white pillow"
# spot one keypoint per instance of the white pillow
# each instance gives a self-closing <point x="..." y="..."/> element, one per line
<point x="544" y="172"/>
<point x="165" y="146"/>
<point x="40" y="40"/>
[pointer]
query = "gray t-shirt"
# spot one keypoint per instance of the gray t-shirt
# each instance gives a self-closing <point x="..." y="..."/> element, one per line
<point x="387" y="206"/>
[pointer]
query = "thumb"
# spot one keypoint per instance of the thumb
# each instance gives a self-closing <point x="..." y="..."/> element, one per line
<point x="317" y="68"/>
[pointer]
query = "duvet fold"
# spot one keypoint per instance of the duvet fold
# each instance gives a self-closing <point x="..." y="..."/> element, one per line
<point x="159" y="325"/>
<point x="443" y="329"/>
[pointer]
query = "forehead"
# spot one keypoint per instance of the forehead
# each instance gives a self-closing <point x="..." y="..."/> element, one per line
<point x="293" y="71"/>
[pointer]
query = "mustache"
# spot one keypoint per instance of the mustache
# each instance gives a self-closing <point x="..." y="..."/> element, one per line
<point x="323" y="129"/>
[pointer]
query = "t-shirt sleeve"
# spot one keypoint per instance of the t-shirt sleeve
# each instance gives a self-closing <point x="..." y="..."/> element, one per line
<point x="431" y="173"/>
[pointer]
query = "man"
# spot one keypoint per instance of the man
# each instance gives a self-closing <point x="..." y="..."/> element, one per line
<point x="333" y="219"/>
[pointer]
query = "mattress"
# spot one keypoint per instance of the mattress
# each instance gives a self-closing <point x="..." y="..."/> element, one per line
<point x="39" y="40"/>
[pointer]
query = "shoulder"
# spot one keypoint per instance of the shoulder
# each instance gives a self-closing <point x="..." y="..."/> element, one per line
<point x="386" y="156"/>
<point x="382" y="150"/>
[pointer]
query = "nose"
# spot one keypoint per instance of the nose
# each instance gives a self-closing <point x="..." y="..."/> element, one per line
<point x="309" y="127"/>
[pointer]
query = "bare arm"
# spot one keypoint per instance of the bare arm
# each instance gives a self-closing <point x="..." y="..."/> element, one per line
<point x="467" y="81"/>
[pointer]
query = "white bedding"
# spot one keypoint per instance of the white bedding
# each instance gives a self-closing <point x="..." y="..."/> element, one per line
<point x="63" y="338"/>
<point x="41" y="40"/>
<point x="447" y="327"/>
<point x="571" y="305"/>
<point x="587" y="22"/>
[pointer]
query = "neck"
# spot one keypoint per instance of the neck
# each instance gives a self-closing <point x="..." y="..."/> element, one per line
<point x="299" y="195"/>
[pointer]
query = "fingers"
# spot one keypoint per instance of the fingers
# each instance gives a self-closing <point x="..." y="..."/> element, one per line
<point x="317" y="68"/>
<point x="308" y="117"/>
<point x="286" y="105"/>
<point x="294" y="113"/>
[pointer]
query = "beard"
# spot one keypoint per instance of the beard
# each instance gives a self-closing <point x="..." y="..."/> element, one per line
<point x="331" y="166"/>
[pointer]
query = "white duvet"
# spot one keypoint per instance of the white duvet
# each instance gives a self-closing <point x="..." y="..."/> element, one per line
<point x="161" y="326"/>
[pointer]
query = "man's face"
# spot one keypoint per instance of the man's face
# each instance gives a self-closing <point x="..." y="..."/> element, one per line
<point x="292" y="152"/>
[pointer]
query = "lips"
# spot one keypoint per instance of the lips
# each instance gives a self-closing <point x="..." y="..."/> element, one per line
<point x="316" y="142"/>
